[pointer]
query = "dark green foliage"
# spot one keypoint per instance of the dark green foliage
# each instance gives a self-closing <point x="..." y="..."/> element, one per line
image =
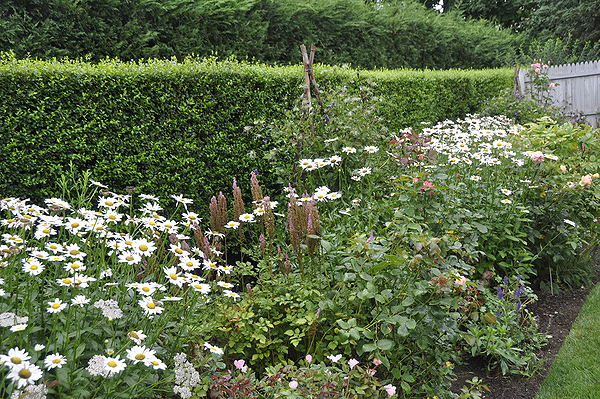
<point x="345" y="32"/>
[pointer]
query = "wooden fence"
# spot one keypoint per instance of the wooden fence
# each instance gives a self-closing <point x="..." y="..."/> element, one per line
<point x="577" y="88"/>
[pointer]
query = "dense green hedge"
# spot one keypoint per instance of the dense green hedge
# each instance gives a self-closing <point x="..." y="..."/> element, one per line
<point x="364" y="34"/>
<point x="171" y="127"/>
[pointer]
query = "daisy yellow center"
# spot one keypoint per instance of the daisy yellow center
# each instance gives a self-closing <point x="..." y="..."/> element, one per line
<point x="168" y="226"/>
<point x="128" y="242"/>
<point x="34" y="267"/>
<point x="24" y="373"/>
<point x="140" y="356"/>
<point x="173" y="276"/>
<point x="74" y="225"/>
<point x="179" y="251"/>
<point x="56" y="361"/>
<point x="112" y="217"/>
<point x="109" y="203"/>
<point x="15" y="360"/>
<point x="10" y="220"/>
<point x="51" y="246"/>
<point x="155" y="363"/>
<point x="145" y="289"/>
<point x="151" y="306"/>
<point x="143" y="247"/>
<point x="46" y="231"/>
<point x="112" y="363"/>
<point x="67" y="281"/>
<point x="189" y="264"/>
<point x="74" y="266"/>
<point x="134" y="335"/>
<point x="55" y="306"/>
<point x="99" y="228"/>
<point x="129" y="258"/>
<point x="74" y="252"/>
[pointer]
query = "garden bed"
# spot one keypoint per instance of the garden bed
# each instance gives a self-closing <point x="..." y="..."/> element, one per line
<point x="556" y="314"/>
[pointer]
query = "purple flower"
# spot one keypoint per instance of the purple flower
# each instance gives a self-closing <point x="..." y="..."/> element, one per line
<point x="518" y="306"/>
<point x="500" y="292"/>
<point x="505" y="279"/>
<point x="519" y="291"/>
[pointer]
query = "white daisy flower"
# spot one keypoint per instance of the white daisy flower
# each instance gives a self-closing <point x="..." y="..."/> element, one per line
<point x="55" y="360"/>
<point x="114" y="365"/>
<point x="56" y="306"/>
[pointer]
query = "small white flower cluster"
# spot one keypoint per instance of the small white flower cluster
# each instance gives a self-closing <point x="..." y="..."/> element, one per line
<point x="186" y="376"/>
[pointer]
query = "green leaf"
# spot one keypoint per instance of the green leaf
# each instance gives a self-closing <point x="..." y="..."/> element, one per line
<point x="369" y="347"/>
<point x="469" y="338"/>
<point x="482" y="228"/>
<point x="385" y="344"/>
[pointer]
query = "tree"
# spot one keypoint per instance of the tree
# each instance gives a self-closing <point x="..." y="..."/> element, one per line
<point x="504" y="13"/>
<point x="564" y="19"/>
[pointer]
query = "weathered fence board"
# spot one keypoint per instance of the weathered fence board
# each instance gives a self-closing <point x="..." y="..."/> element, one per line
<point x="577" y="88"/>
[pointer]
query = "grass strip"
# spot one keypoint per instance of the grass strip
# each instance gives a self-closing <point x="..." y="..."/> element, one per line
<point x="575" y="372"/>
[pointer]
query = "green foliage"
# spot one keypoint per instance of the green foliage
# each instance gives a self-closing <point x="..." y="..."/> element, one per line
<point x="508" y="14"/>
<point x="565" y="18"/>
<point x="393" y="35"/>
<point x="162" y="127"/>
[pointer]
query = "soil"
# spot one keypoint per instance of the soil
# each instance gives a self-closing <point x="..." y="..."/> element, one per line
<point x="555" y="314"/>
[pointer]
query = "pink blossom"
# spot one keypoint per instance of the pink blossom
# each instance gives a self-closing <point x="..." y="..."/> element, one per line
<point x="586" y="180"/>
<point x="390" y="389"/>
<point x="308" y="358"/>
<point x="537" y="70"/>
<point x="537" y="157"/>
<point x="352" y="362"/>
<point x="293" y="384"/>
<point x="563" y="168"/>
<point x="552" y="85"/>
<point x="240" y="365"/>
<point x="461" y="281"/>
<point x="376" y="361"/>
<point x="415" y="179"/>
<point x="536" y="65"/>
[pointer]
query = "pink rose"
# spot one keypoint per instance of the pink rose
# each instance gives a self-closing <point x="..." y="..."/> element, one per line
<point x="537" y="157"/>
<point x="461" y="281"/>
<point x="308" y="358"/>
<point x="586" y="180"/>
<point x="552" y="85"/>
<point x="293" y="384"/>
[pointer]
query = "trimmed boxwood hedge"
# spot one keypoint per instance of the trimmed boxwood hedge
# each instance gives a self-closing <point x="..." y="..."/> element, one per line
<point x="169" y="127"/>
